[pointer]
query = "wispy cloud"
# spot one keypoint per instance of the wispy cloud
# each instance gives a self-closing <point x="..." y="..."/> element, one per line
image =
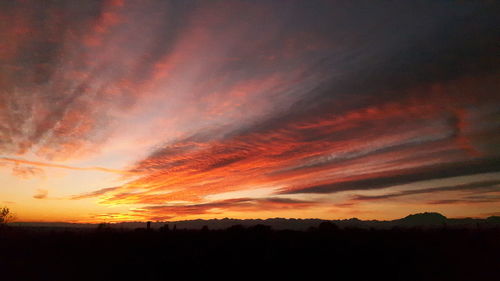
<point x="467" y="200"/>
<point x="482" y="186"/>
<point x="26" y="172"/>
<point x="30" y="169"/>
<point x="41" y="194"/>
<point x="399" y="176"/>
<point x="94" y="193"/>
<point x="236" y="204"/>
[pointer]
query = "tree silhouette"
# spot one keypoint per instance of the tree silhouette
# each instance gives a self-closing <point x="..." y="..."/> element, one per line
<point x="327" y="226"/>
<point x="6" y="216"/>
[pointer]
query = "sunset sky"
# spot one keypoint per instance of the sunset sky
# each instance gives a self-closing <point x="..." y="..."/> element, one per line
<point x="131" y="110"/>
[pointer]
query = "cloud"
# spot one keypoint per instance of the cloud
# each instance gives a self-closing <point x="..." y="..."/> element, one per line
<point x="41" y="194"/>
<point x="490" y="214"/>
<point x="374" y="147"/>
<point x="482" y="186"/>
<point x="72" y="76"/>
<point x="95" y="193"/>
<point x="71" y="72"/>
<point x="377" y="181"/>
<point x="18" y="161"/>
<point x="357" y="121"/>
<point x="26" y="172"/>
<point x="235" y="204"/>
<point x="467" y="200"/>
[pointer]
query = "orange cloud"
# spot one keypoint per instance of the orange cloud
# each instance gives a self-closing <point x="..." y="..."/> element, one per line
<point x="230" y="205"/>
<point x="26" y="172"/>
<point x="388" y="140"/>
<point x="41" y="194"/>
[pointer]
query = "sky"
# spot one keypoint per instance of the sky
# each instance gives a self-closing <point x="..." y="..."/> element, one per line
<point x="129" y="110"/>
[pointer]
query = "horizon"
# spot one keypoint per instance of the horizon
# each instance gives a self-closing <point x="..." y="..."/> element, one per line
<point x="249" y="219"/>
<point x="125" y="110"/>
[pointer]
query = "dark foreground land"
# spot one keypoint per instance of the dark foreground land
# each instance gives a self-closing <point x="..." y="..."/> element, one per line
<point x="325" y="252"/>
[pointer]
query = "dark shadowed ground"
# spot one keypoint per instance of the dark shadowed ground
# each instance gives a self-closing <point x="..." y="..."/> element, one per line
<point x="326" y="251"/>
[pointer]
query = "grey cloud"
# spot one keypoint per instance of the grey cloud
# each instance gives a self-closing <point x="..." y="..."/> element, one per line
<point x="483" y="186"/>
<point x="377" y="181"/>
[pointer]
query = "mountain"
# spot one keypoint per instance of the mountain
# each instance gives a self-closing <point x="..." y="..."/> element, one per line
<point x="422" y="219"/>
<point x="493" y="219"/>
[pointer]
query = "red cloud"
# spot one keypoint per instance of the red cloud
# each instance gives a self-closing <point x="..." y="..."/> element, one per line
<point x="368" y="143"/>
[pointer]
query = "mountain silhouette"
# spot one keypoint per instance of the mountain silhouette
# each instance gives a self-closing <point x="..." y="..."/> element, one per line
<point x="423" y="219"/>
<point x="493" y="219"/>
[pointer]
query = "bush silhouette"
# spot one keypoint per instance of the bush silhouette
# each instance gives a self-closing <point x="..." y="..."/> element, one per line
<point x="327" y="226"/>
<point x="6" y="216"/>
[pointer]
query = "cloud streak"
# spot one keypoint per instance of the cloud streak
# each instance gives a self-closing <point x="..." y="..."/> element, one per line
<point x="377" y="181"/>
<point x="59" y="166"/>
<point x="93" y="193"/>
<point x="484" y="186"/>
<point x="236" y="204"/>
<point x="41" y="194"/>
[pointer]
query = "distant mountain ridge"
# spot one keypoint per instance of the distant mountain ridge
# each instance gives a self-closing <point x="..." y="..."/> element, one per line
<point x="426" y="220"/>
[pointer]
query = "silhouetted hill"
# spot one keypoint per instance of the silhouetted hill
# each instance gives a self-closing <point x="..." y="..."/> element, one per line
<point x="422" y="219"/>
<point x="493" y="219"/>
